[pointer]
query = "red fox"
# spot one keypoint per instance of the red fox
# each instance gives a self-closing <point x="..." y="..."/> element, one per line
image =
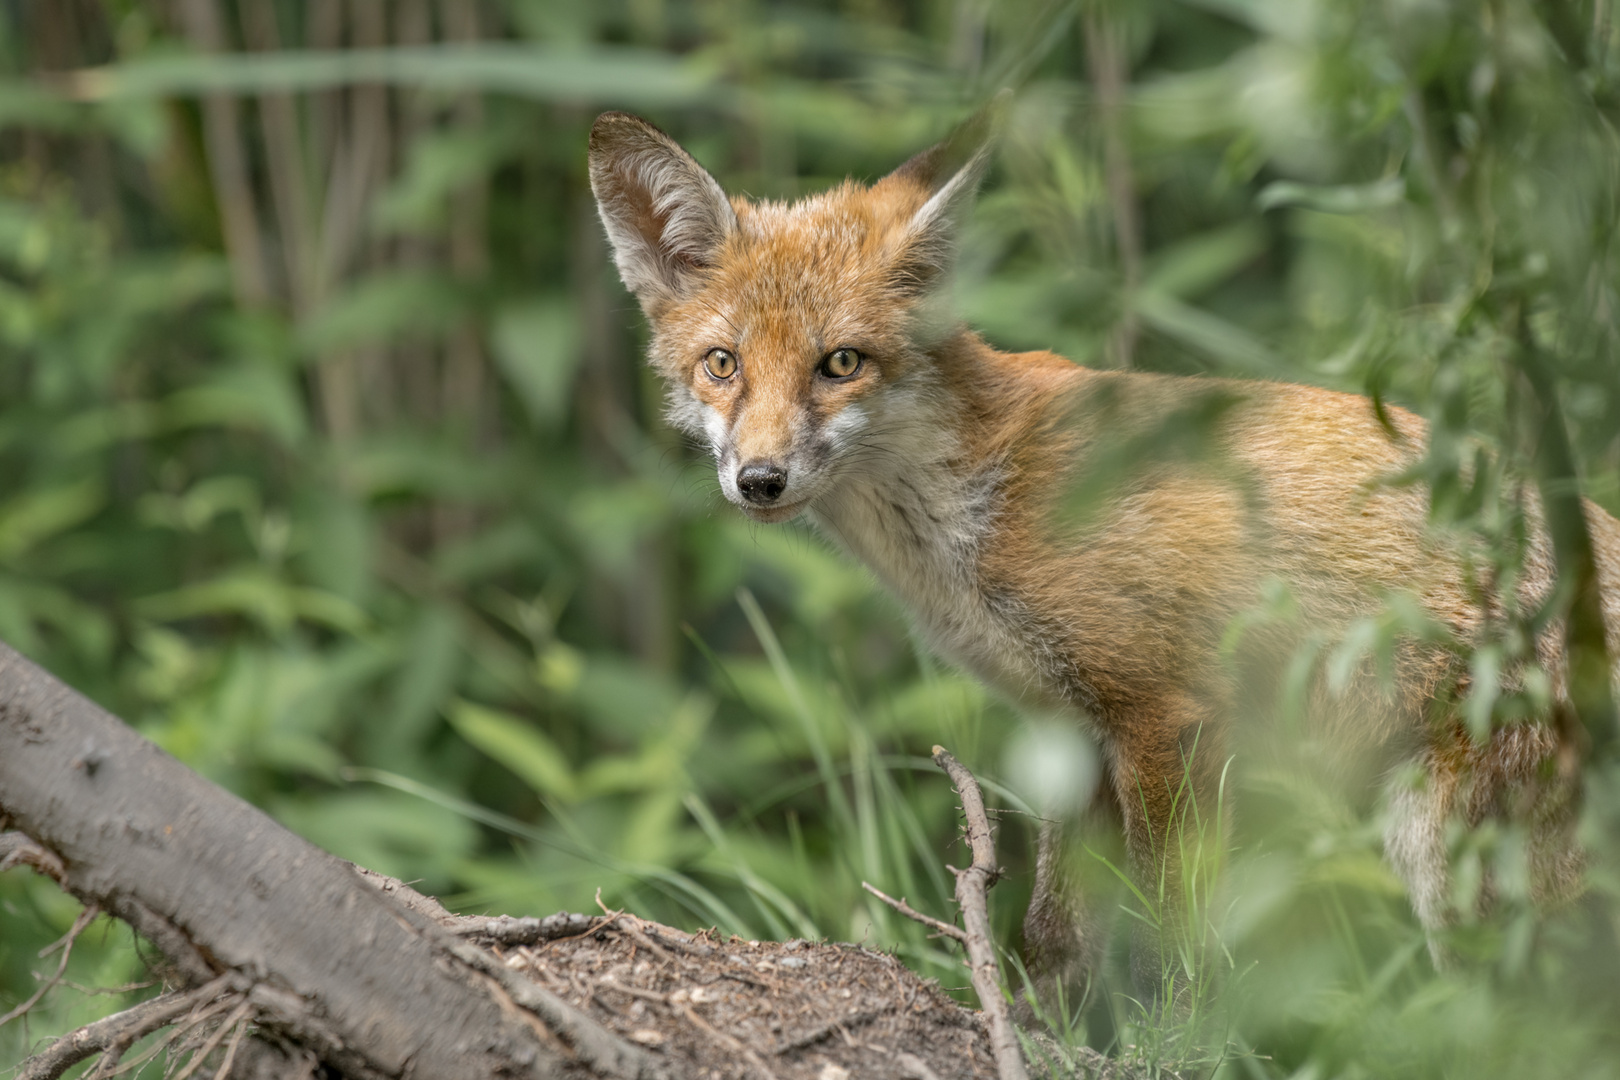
<point x="807" y="345"/>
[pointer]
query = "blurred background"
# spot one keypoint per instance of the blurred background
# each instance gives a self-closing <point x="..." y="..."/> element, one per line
<point x="329" y="461"/>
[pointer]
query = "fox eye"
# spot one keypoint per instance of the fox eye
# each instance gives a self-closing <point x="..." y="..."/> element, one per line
<point x="841" y="363"/>
<point x="720" y="364"/>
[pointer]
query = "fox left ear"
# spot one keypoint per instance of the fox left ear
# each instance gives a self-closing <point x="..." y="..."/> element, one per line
<point x="950" y="172"/>
<point x="666" y="217"/>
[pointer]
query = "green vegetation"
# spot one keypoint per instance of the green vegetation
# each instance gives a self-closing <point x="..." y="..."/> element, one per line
<point x="337" y="471"/>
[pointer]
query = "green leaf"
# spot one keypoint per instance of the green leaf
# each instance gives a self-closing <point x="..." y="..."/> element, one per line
<point x="1199" y="263"/>
<point x="253" y="592"/>
<point x="1208" y="333"/>
<point x="520" y="747"/>
<point x="537" y="346"/>
<point x="1331" y="199"/>
<point x="35" y="516"/>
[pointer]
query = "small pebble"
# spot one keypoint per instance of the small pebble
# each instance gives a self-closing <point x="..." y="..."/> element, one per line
<point x="647" y="1037"/>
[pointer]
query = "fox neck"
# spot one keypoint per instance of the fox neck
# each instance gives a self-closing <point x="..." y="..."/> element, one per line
<point x="917" y="504"/>
<point x="921" y="504"/>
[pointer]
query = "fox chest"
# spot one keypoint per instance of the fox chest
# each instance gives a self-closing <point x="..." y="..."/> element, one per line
<point x="927" y="554"/>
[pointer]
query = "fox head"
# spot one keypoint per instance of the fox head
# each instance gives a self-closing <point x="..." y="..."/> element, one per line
<point x="789" y="333"/>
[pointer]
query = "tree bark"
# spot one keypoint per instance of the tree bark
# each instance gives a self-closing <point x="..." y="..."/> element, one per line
<point x="368" y="983"/>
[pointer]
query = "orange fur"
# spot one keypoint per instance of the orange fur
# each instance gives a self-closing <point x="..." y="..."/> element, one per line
<point x="951" y="469"/>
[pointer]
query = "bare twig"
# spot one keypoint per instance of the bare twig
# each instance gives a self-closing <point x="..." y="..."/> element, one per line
<point x="115" y="1032"/>
<point x="971" y="886"/>
<point x="954" y="932"/>
<point x="224" y="1069"/>
<point x="184" y="1028"/>
<point x="65" y="943"/>
<point x="238" y="1015"/>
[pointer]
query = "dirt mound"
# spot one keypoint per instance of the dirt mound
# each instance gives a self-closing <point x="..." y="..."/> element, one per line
<point x="795" y="1009"/>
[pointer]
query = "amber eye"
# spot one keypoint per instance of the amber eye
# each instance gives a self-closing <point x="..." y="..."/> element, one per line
<point x="841" y="363"/>
<point x="720" y="363"/>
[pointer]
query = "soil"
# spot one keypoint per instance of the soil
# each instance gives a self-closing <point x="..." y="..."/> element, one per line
<point x="797" y="1010"/>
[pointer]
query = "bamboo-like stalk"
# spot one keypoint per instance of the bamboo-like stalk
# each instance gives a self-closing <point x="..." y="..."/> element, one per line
<point x="464" y="378"/>
<point x="416" y="361"/>
<point x="285" y="162"/>
<point x="1105" y="55"/>
<point x="372" y="124"/>
<point x="228" y="165"/>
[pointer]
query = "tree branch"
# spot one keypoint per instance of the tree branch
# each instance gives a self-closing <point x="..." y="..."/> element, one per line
<point x="971" y="886"/>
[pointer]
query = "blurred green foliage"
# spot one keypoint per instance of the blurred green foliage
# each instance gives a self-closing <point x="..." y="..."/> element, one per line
<point x="337" y="471"/>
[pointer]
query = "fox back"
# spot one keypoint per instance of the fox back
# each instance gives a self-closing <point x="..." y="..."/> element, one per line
<point x="809" y="346"/>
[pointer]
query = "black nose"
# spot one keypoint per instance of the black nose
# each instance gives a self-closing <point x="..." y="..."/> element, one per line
<point x="762" y="482"/>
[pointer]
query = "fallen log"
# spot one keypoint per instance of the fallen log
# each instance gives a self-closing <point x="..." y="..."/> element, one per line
<point x="329" y="961"/>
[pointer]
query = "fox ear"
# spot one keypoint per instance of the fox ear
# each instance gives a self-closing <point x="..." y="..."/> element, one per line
<point x="950" y="172"/>
<point x="665" y="216"/>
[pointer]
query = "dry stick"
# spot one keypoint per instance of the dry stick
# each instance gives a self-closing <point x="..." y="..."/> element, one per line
<point x="119" y="1029"/>
<point x="910" y="912"/>
<point x="971" y="885"/>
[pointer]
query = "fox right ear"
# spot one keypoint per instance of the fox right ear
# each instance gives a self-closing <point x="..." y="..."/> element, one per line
<point x="949" y="173"/>
<point x="665" y="216"/>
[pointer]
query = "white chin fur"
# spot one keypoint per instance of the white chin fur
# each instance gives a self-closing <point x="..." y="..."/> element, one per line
<point x="772" y="515"/>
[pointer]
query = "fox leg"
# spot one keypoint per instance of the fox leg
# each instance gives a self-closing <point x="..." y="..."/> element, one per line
<point x="1168" y="783"/>
<point x="1067" y="924"/>
<point x="1517" y="776"/>
<point x="1415" y="845"/>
